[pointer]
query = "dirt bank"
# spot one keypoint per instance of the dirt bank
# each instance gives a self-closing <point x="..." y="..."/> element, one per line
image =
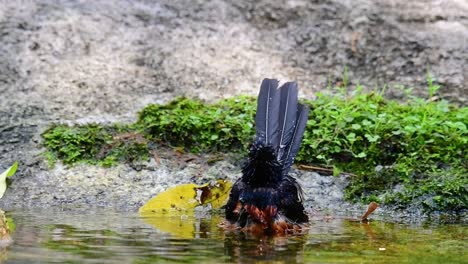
<point x="102" y="61"/>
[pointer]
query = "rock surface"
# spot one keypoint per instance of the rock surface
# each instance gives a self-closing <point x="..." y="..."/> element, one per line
<point x="102" y="61"/>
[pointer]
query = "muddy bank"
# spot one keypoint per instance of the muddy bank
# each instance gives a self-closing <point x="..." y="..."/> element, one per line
<point x="75" y="62"/>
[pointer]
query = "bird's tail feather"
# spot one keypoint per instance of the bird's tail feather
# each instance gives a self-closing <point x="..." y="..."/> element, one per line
<point x="280" y="120"/>
<point x="287" y="117"/>
<point x="266" y="120"/>
<point x="297" y="133"/>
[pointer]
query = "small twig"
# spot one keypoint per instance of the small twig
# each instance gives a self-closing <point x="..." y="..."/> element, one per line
<point x="188" y="159"/>
<point x="371" y="208"/>
<point x="156" y="157"/>
<point x="314" y="168"/>
<point x="214" y="159"/>
<point x="321" y="169"/>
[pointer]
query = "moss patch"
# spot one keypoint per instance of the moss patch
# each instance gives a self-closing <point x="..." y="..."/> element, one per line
<point x="401" y="152"/>
<point x="95" y="144"/>
<point x="201" y="127"/>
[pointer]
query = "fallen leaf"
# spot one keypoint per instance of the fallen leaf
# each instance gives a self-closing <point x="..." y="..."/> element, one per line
<point x="189" y="196"/>
<point x="8" y="173"/>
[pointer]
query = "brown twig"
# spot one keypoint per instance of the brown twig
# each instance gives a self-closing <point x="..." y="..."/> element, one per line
<point x="320" y="169"/>
<point x="156" y="157"/>
<point x="371" y="208"/>
<point x="314" y="168"/>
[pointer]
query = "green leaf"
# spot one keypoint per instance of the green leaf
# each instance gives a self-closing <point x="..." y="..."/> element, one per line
<point x="371" y="138"/>
<point x="410" y="129"/>
<point x="336" y="171"/>
<point x="8" y="173"/>
<point x="361" y="155"/>
<point x="366" y="123"/>
<point x="351" y="137"/>
<point x="12" y="170"/>
<point x="10" y="224"/>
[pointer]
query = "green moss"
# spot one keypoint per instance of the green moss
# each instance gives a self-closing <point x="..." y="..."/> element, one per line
<point x="72" y="144"/>
<point x="94" y="144"/>
<point x="198" y="126"/>
<point x="418" y="145"/>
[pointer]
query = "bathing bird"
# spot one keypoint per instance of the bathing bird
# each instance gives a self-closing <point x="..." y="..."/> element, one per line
<point x="265" y="199"/>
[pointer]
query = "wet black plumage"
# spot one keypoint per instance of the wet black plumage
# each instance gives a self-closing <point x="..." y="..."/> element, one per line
<point x="266" y="193"/>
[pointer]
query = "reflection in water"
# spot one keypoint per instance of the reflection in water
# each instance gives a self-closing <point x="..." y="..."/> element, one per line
<point x="238" y="246"/>
<point x="241" y="248"/>
<point x="109" y="237"/>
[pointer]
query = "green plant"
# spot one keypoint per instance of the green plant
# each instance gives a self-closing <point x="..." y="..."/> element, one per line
<point x="407" y="141"/>
<point x="432" y="88"/>
<point x="200" y="127"/>
<point x="94" y="144"/>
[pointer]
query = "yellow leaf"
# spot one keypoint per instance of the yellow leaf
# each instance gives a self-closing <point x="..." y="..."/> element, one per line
<point x="189" y="196"/>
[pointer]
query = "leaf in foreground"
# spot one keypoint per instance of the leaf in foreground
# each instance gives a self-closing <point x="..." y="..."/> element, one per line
<point x="8" y="173"/>
<point x="189" y="196"/>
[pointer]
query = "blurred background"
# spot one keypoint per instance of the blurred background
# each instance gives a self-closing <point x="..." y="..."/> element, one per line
<point x="105" y="60"/>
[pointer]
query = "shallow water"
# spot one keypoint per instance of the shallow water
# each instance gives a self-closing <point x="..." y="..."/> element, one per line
<point x="80" y="236"/>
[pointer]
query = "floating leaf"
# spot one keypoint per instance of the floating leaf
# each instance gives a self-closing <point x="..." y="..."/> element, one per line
<point x="8" y="173"/>
<point x="189" y="196"/>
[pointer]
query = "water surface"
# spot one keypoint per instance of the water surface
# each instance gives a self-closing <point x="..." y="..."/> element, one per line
<point x="80" y="236"/>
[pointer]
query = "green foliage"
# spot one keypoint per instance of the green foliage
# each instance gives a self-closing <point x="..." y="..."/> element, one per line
<point x="72" y="144"/>
<point x="198" y="126"/>
<point x="94" y="144"/>
<point x="418" y="145"/>
<point x="431" y="87"/>
<point x="441" y="190"/>
<point x="387" y="143"/>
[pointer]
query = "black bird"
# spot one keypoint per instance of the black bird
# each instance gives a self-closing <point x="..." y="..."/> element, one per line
<point x="266" y="199"/>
